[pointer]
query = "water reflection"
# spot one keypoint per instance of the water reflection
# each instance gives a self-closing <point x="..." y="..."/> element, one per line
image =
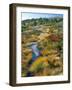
<point x="35" y="51"/>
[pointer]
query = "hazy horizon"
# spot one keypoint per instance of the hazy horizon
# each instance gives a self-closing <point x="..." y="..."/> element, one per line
<point x="28" y="15"/>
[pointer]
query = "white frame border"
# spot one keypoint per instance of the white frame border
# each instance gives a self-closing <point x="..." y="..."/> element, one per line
<point x="63" y="77"/>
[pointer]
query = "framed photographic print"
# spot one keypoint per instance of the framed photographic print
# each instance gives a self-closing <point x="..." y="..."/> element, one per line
<point x="39" y="44"/>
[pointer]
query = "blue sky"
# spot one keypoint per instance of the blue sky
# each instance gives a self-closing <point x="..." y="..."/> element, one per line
<point x="26" y="15"/>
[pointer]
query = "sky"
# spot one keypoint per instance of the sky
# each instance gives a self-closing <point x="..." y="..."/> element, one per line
<point x="28" y="15"/>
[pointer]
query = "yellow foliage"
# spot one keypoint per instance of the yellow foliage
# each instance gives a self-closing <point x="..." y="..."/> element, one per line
<point x="42" y="36"/>
<point x="44" y="52"/>
<point x="39" y="61"/>
<point x="47" y="52"/>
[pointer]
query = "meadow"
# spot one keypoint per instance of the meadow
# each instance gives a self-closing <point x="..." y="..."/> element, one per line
<point x="42" y="47"/>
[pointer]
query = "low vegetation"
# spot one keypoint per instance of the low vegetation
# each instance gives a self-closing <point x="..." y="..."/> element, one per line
<point x="48" y="35"/>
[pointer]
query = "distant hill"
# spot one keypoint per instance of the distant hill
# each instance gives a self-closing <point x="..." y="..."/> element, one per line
<point x="31" y="24"/>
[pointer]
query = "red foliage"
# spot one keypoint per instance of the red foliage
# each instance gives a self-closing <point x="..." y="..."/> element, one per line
<point x="54" y="37"/>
